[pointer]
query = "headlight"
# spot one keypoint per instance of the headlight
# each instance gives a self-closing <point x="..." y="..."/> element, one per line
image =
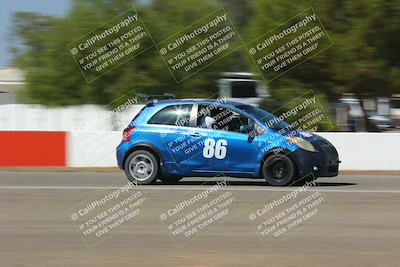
<point x="305" y="134"/>
<point x="300" y="142"/>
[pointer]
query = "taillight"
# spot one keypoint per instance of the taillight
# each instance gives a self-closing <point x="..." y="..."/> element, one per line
<point x="126" y="135"/>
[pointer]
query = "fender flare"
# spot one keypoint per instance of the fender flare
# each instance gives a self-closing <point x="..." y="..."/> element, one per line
<point x="145" y="146"/>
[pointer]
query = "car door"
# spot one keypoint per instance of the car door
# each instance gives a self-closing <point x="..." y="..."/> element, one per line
<point x="221" y="147"/>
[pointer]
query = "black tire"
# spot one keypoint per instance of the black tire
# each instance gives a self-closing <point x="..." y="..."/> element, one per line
<point x="141" y="167"/>
<point x="170" y="179"/>
<point x="279" y="170"/>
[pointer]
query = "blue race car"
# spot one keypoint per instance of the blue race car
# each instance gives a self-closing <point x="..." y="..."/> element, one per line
<point x="171" y="139"/>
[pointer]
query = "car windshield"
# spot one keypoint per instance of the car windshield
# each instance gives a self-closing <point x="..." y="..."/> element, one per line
<point x="270" y="120"/>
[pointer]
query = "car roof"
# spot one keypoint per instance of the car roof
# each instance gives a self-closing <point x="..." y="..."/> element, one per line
<point x="221" y="101"/>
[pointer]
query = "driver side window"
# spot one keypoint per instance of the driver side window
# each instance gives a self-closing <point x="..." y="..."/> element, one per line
<point x="219" y="118"/>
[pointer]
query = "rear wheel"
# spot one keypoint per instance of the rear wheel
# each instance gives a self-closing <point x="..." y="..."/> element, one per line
<point x="278" y="170"/>
<point x="141" y="167"/>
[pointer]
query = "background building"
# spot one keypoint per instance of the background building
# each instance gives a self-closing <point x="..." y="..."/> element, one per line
<point x="11" y="80"/>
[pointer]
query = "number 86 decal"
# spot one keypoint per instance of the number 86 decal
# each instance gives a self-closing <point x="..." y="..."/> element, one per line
<point x="212" y="148"/>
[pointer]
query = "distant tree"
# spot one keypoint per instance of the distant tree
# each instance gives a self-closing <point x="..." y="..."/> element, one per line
<point x="364" y="59"/>
<point x="53" y="78"/>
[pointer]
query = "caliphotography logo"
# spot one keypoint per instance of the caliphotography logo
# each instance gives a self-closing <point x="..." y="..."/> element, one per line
<point x="288" y="45"/>
<point x="197" y="212"/>
<point x="110" y="45"/>
<point x="286" y="213"/>
<point x="105" y="214"/>
<point x="199" y="45"/>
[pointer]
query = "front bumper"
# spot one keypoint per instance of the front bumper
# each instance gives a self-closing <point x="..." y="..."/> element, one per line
<point x="323" y="163"/>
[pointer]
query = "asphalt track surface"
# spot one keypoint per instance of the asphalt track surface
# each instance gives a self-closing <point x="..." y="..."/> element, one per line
<point x="360" y="228"/>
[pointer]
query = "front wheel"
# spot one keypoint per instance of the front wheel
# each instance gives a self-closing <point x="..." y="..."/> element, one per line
<point x="141" y="167"/>
<point x="278" y="170"/>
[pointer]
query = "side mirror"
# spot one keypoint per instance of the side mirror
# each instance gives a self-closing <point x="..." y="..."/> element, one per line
<point x="246" y="129"/>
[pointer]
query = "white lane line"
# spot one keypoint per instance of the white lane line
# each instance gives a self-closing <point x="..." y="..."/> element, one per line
<point x="195" y="189"/>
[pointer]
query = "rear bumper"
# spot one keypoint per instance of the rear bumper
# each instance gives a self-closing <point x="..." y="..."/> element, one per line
<point x="120" y="153"/>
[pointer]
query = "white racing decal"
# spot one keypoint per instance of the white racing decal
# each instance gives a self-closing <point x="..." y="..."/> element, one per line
<point x="217" y="149"/>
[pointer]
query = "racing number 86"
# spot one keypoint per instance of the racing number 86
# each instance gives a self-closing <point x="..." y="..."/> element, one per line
<point x="212" y="148"/>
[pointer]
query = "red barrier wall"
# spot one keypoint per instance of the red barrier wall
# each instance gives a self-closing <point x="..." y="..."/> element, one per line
<point x="26" y="148"/>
